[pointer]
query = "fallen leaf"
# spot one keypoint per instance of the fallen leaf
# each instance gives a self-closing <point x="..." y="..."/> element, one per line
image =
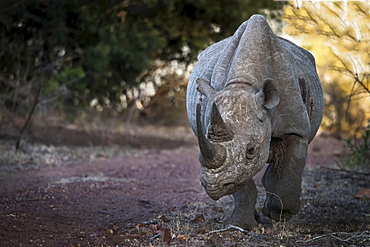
<point x="131" y="236"/>
<point x="166" y="236"/>
<point x="164" y="218"/>
<point x="155" y="228"/>
<point x="183" y="237"/>
<point x="198" y="218"/>
<point x="217" y="209"/>
<point x="138" y="226"/>
<point x="362" y="194"/>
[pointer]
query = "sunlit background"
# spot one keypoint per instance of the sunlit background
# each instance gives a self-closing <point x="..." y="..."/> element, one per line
<point x="95" y="144"/>
<point x="91" y="61"/>
<point x="338" y="34"/>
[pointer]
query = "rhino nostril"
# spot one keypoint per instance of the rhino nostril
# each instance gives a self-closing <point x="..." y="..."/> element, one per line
<point x="228" y="186"/>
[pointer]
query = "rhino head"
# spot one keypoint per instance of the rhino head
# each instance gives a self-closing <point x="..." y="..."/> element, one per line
<point x="237" y="140"/>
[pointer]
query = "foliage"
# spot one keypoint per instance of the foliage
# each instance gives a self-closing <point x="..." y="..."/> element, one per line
<point x="338" y="33"/>
<point x="167" y="105"/>
<point x="100" y="50"/>
<point x="338" y="118"/>
<point x="358" y="157"/>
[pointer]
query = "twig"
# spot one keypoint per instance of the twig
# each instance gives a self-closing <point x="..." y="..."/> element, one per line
<point x="62" y="90"/>
<point x="35" y="102"/>
<point x="157" y="235"/>
<point x="229" y="227"/>
<point x="365" y="234"/>
<point x="347" y="171"/>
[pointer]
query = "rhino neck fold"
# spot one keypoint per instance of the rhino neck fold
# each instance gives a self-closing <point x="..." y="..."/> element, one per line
<point x="244" y="84"/>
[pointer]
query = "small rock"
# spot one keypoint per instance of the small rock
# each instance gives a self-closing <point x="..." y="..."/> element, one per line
<point x="150" y="222"/>
<point x="102" y="211"/>
<point x="144" y="201"/>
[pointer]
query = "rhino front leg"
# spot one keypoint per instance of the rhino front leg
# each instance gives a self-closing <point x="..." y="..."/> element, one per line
<point x="283" y="177"/>
<point x="244" y="214"/>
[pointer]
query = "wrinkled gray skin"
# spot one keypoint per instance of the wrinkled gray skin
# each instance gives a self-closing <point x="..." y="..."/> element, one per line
<point x="254" y="98"/>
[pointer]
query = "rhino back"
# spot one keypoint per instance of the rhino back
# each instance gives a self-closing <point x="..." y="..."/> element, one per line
<point x="253" y="54"/>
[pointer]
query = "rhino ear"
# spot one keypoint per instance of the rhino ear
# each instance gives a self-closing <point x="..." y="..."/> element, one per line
<point x="205" y="88"/>
<point x="268" y="95"/>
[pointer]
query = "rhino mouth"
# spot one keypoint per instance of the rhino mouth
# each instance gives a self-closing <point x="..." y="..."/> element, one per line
<point x="221" y="189"/>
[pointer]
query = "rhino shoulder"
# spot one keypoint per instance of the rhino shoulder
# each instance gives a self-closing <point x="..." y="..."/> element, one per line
<point x="290" y="46"/>
<point x="214" y="49"/>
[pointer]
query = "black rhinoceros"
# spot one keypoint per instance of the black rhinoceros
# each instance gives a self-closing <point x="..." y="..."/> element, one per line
<point x="254" y="98"/>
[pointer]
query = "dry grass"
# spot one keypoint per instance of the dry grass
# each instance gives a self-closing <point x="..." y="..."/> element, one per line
<point x="330" y="216"/>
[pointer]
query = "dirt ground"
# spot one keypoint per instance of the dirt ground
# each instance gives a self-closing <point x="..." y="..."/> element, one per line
<point x="140" y="187"/>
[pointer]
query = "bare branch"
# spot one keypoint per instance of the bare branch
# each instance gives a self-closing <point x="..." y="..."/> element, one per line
<point x="35" y="102"/>
<point x="62" y="90"/>
<point x="365" y="234"/>
<point x="361" y="10"/>
<point x="330" y="10"/>
<point x="350" y="99"/>
<point x="311" y="15"/>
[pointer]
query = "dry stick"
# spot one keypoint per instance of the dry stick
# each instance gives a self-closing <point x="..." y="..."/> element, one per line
<point x="232" y="227"/>
<point x="229" y="227"/>
<point x="364" y="234"/>
<point x="35" y="102"/>
<point x="346" y="171"/>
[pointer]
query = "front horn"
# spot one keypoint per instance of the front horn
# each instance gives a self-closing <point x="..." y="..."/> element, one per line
<point x="211" y="155"/>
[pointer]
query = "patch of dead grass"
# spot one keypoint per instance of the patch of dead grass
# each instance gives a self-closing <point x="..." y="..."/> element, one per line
<point x="330" y="216"/>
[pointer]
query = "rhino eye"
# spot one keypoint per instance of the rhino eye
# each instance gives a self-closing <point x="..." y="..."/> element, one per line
<point x="251" y="151"/>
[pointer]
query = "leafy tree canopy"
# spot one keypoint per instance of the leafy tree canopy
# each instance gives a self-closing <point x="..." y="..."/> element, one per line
<point x="98" y="49"/>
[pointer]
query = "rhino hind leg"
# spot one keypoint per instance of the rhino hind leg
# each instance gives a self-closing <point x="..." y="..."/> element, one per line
<point x="282" y="179"/>
<point x="244" y="214"/>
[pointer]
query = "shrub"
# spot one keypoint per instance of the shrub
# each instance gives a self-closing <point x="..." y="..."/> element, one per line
<point x="358" y="157"/>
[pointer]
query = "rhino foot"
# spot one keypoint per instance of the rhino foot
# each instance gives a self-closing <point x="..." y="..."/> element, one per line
<point x="277" y="215"/>
<point x="274" y="208"/>
<point x="244" y="214"/>
<point x="247" y="223"/>
<point x="283" y="177"/>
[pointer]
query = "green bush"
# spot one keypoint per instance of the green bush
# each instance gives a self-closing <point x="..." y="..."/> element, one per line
<point x="358" y="157"/>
